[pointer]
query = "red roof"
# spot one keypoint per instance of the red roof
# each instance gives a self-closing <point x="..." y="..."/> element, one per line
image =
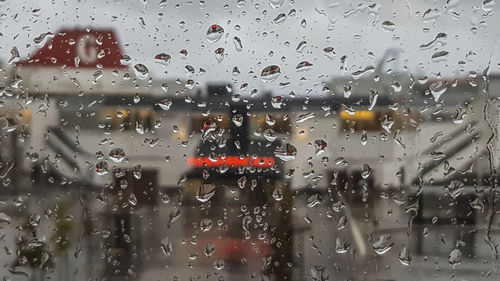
<point x="74" y="48"/>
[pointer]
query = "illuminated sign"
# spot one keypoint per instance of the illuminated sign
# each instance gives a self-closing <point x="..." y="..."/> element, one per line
<point x="86" y="49"/>
<point x="231" y="161"/>
<point x="359" y="115"/>
<point x="358" y="120"/>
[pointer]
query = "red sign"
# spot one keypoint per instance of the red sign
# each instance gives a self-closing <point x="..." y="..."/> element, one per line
<point x="79" y="48"/>
<point x="236" y="249"/>
<point x="231" y="161"/>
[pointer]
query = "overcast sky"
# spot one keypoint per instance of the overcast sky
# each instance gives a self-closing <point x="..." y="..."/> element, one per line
<point x="355" y="29"/>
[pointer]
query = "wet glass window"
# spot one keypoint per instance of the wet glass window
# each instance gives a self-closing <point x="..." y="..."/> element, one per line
<point x="260" y="140"/>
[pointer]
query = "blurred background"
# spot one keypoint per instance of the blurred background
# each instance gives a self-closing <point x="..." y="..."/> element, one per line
<point x="259" y="140"/>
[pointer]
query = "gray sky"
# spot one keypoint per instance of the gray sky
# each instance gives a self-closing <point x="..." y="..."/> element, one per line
<point x="352" y="28"/>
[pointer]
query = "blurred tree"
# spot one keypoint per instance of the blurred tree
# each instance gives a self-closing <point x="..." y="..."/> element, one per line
<point x="61" y="236"/>
<point x="32" y="251"/>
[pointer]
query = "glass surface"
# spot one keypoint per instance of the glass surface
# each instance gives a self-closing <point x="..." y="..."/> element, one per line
<point x="249" y="140"/>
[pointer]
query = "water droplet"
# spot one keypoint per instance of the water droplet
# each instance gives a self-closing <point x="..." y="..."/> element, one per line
<point x="183" y="53"/>
<point x="367" y="170"/>
<point x="214" y="33"/>
<point x="439" y="36"/>
<point x="205" y="174"/>
<point x="387" y="123"/>
<point x="396" y="86"/>
<point x="14" y="55"/>
<point x="454" y="188"/>
<point x="431" y="14"/>
<point x="209" y="250"/>
<point x="269" y="134"/>
<point x="96" y="76"/>
<point x="125" y="59"/>
<point x="319" y="273"/>
<point x="137" y="98"/>
<point x="242" y="181"/>
<point x="459" y="115"/>
<point x="364" y="137"/>
<point x="277" y="194"/>
<point x="276" y="3"/>
<point x="277" y="101"/>
<point x="488" y="5"/>
<point x="213" y="157"/>
<point x="237" y="120"/>
<point x="329" y="52"/>
<point x="235" y="97"/>
<point x="166" y="246"/>
<point x="240" y="3"/>
<point x="455" y="257"/>
<point x="357" y="74"/>
<point x="383" y="244"/>
<point x="237" y="43"/>
<point x="270" y="73"/>
<point x="15" y="271"/>
<point x="163" y="58"/>
<point x="205" y="192"/>
<point x="123" y="184"/>
<point x="164" y="87"/>
<point x="165" y="104"/>
<point x="303" y="23"/>
<point x="132" y="199"/>
<point x="373" y="98"/>
<point x="208" y="129"/>
<point x="8" y="124"/>
<point x="101" y="168"/>
<point x="342" y="245"/>
<point x="142" y="22"/>
<point x="304" y="117"/>
<point x="439" y="56"/>
<point x="4" y="218"/>
<point x="141" y="71"/>
<point x="206" y="224"/>
<point x="219" y="54"/>
<point x="314" y="200"/>
<point x="304" y="66"/>
<point x="404" y="256"/>
<point x="477" y="204"/>
<point x="41" y="38"/>
<point x="347" y="90"/>
<point x="173" y="216"/>
<point x="223" y="168"/>
<point x="438" y="88"/>
<point x="270" y="120"/>
<point x="127" y="238"/>
<point x="286" y="153"/>
<point x="139" y="127"/>
<point x="319" y="146"/>
<point x="183" y="179"/>
<point x="289" y="173"/>
<point x="301" y="46"/>
<point x="425" y="232"/>
<point x="218" y="264"/>
<point x="279" y="19"/>
<point x="342" y="223"/>
<point x="117" y="155"/>
<point x="388" y="25"/>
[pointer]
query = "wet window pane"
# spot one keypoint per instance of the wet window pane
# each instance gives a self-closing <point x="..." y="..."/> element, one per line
<point x="252" y="140"/>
